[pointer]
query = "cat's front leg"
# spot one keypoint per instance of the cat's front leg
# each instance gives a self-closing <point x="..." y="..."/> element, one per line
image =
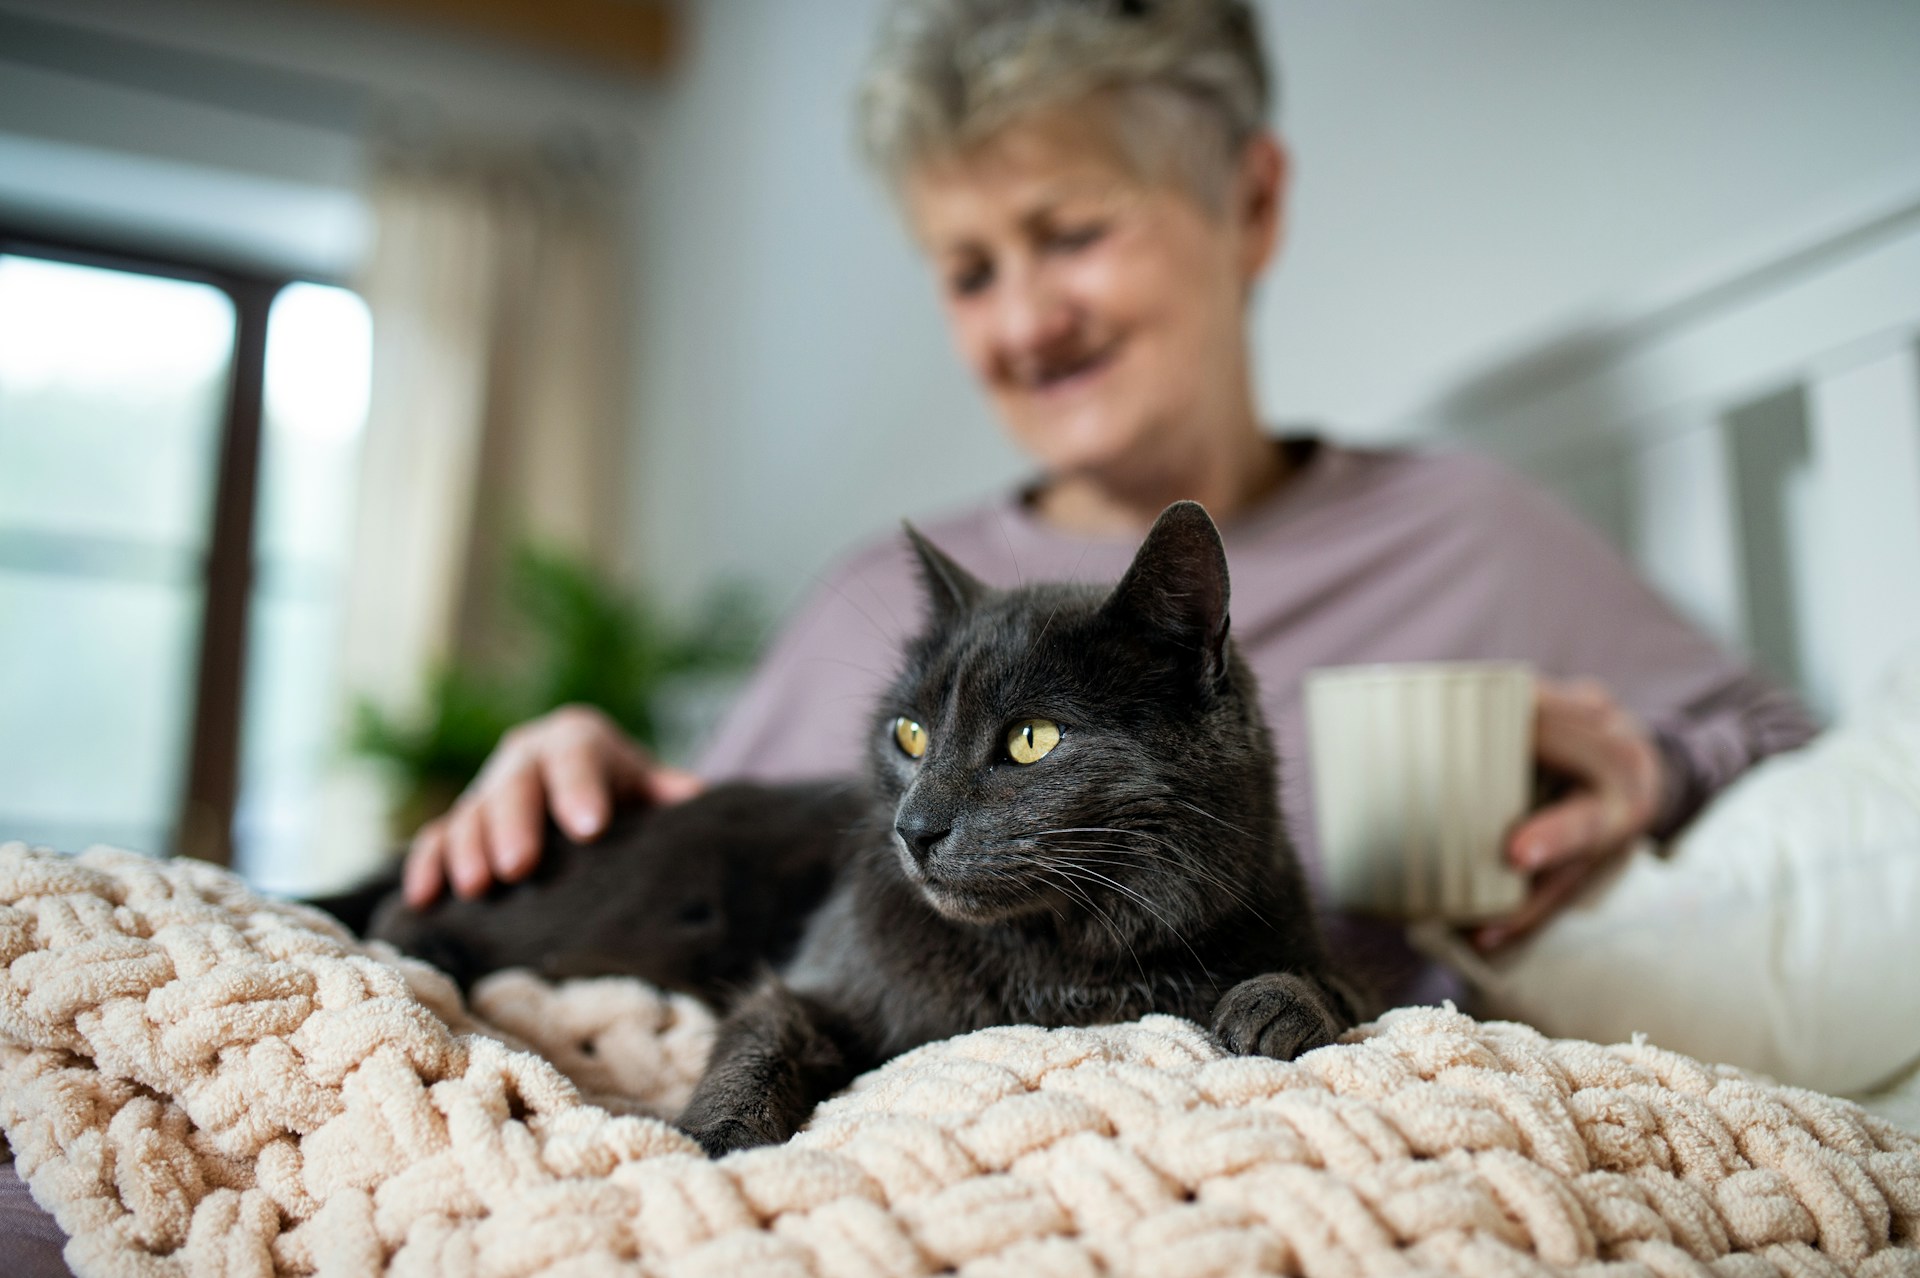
<point x="1281" y="1014"/>
<point x="777" y="1055"/>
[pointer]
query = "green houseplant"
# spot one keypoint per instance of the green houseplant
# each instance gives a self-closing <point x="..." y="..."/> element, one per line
<point x="573" y="636"/>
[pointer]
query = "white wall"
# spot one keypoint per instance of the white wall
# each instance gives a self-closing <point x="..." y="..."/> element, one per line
<point x="1472" y="176"/>
<point x="793" y="384"/>
<point x="1477" y="174"/>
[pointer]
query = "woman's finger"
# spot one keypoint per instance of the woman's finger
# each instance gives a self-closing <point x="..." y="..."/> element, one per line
<point x="672" y="785"/>
<point x="578" y="789"/>
<point x="1578" y="825"/>
<point x="1550" y="891"/>
<point x="513" y="809"/>
<point x="1579" y="730"/>
<point x="424" y="873"/>
<point x="1593" y="750"/>
<point x="467" y="851"/>
<point x="574" y="762"/>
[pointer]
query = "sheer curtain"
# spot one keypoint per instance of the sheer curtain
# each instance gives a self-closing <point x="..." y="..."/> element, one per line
<point x="496" y="285"/>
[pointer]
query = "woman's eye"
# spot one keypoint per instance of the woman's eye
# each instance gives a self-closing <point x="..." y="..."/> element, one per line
<point x="1070" y="239"/>
<point x="973" y="279"/>
<point x="910" y="737"/>
<point x="1031" y="740"/>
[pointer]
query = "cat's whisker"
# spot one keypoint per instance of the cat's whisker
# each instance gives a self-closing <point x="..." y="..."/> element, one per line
<point x="1086" y="876"/>
<point x="1086" y="861"/>
<point x="1198" y="874"/>
<point x="885" y="633"/>
<point x="1185" y="865"/>
<point x="1107" y="921"/>
<point x="1091" y="862"/>
<point x="1149" y="907"/>
<point x="1193" y="880"/>
<point x="1200" y="811"/>
<point x="1082" y="895"/>
<point x="1133" y="833"/>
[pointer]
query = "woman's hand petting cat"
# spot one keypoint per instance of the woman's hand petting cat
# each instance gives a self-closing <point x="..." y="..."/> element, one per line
<point x="574" y="762"/>
<point x="1616" y="771"/>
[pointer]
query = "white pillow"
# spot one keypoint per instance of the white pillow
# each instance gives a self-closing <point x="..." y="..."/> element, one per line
<point x="1781" y="933"/>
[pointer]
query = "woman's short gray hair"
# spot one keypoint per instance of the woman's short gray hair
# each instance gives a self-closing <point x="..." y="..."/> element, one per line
<point x="1186" y="79"/>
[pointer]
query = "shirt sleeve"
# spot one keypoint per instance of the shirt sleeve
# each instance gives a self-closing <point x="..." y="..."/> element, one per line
<point x="1711" y="716"/>
<point x="806" y="709"/>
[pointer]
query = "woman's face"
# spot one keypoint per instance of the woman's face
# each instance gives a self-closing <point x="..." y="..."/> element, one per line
<point x="1103" y="314"/>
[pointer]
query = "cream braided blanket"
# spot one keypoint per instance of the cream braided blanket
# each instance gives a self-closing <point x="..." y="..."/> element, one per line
<point x="199" y="1081"/>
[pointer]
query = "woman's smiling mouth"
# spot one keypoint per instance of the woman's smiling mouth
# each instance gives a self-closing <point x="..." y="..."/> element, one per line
<point x="1069" y="374"/>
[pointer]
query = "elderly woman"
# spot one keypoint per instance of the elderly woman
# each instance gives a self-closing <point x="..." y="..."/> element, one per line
<point x="1095" y="187"/>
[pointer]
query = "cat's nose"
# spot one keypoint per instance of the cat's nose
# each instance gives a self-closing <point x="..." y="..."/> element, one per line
<point x="921" y="832"/>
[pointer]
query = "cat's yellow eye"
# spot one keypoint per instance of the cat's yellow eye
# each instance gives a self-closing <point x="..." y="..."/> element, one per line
<point x="1032" y="740"/>
<point x="910" y="737"/>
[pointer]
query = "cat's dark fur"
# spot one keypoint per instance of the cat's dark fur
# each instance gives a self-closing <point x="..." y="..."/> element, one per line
<point x="1139" y="867"/>
<point x="698" y="897"/>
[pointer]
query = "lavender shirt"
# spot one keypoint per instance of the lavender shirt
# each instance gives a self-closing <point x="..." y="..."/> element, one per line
<point x="1362" y="556"/>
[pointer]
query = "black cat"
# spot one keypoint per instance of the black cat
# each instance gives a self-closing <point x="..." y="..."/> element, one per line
<point x="701" y="897"/>
<point x="1067" y="818"/>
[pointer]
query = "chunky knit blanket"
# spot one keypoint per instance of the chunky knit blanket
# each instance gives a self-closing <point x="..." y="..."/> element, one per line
<point x="199" y="1081"/>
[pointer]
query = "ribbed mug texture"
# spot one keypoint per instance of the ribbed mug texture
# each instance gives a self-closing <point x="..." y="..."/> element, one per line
<point x="1419" y="771"/>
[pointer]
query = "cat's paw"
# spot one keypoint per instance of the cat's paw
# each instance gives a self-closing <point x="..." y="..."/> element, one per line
<point x="722" y="1136"/>
<point x="1279" y="1015"/>
<point x="722" y="1125"/>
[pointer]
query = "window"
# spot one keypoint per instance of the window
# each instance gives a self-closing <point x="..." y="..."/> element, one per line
<point x="177" y="450"/>
<point x="319" y="348"/>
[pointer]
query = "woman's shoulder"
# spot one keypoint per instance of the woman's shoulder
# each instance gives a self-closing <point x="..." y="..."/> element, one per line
<point x="1419" y="482"/>
<point x="888" y="555"/>
<point x="1435" y="469"/>
<point x="975" y="535"/>
<point x="871" y="587"/>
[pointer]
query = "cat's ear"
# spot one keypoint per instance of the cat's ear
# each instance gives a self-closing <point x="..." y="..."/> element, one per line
<point x="951" y="589"/>
<point x="1177" y="586"/>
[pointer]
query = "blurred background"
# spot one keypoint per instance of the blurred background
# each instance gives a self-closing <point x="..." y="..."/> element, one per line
<point x="375" y="373"/>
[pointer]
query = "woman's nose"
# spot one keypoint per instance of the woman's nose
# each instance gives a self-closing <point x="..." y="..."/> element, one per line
<point x="1032" y="319"/>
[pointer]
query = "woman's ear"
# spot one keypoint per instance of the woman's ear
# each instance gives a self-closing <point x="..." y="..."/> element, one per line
<point x="1260" y="202"/>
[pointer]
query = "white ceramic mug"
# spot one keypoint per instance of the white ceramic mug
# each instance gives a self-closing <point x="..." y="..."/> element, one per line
<point x="1420" y="771"/>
